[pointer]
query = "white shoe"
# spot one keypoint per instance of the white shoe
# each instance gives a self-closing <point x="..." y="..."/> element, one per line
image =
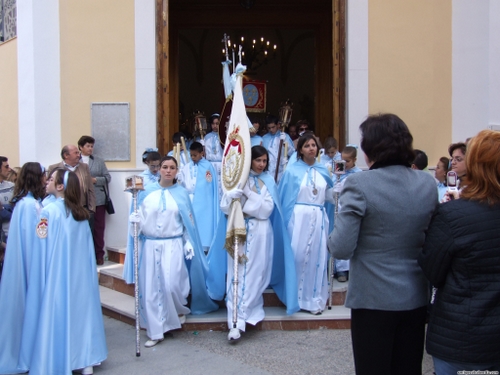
<point x="182" y="318"/>
<point x="234" y="334"/>
<point x="89" y="370"/>
<point x="151" y="343"/>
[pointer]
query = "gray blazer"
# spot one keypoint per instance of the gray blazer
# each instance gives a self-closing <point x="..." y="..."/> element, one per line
<point x="381" y="229"/>
<point x="100" y="172"/>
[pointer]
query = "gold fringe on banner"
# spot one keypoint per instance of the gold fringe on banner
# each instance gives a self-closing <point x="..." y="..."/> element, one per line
<point x="236" y="228"/>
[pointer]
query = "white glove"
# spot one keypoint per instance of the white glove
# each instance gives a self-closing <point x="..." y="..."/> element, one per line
<point x="188" y="251"/>
<point x="246" y="190"/>
<point x="234" y="194"/>
<point x="202" y="141"/>
<point x="283" y="136"/>
<point x="134" y="218"/>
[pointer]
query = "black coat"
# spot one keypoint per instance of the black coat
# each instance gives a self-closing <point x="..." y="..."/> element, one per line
<point x="461" y="257"/>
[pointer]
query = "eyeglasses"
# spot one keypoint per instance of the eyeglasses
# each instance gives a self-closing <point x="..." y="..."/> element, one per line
<point x="457" y="160"/>
<point x="302" y="129"/>
<point x="154" y="167"/>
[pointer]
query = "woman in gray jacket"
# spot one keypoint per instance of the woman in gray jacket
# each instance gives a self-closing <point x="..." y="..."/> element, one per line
<point x="381" y="229"/>
<point x="100" y="179"/>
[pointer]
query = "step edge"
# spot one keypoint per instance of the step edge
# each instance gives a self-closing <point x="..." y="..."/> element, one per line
<point x="117" y="248"/>
<point x="338" y="312"/>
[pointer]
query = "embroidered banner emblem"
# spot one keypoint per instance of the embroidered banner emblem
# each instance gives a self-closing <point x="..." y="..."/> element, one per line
<point x="42" y="228"/>
<point x="234" y="160"/>
<point x="208" y="177"/>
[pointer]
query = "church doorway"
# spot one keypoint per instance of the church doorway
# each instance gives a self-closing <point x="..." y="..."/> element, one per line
<point x="307" y="67"/>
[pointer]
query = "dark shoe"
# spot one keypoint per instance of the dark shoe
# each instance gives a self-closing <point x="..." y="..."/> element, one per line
<point x="342" y="277"/>
<point x="100" y="262"/>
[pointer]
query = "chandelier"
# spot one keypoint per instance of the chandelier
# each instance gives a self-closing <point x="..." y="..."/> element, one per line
<point x="255" y="52"/>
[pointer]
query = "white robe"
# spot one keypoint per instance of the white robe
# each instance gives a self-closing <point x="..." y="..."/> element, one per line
<point x="255" y="275"/>
<point x="163" y="275"/>
<point x="187" y="176"/>
<point x="308" y="230"/>
<point x="272" y="144"/>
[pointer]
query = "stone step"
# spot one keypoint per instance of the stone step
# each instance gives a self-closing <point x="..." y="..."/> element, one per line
<point x="122" y="307"/>
<point x="110" y="276"/>
<point x="116" y="254"/>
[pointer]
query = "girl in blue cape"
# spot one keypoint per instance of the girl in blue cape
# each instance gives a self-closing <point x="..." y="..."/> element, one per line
<point x="20" y="271"/>
<point x="69" y="332"/>
<point x="305" y="189"/>
<point x="151" y="157"/>
<point x="168" y="234"/>
<point x="267" y="252"/>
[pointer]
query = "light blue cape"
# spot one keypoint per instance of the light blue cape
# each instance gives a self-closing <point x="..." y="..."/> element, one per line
<point x="17" y="275"/>
<point x="206" y="202"/>
<point x="198" y="267"/>
<point x="289" y="186"/>
<point x="283" y="278"/>
<point x="63" y="328"/>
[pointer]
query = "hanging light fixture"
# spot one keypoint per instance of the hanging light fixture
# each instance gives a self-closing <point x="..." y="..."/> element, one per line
<point x="255" y="51"/>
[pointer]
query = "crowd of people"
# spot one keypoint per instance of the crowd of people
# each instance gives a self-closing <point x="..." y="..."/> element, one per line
<point x="414" y="250"/>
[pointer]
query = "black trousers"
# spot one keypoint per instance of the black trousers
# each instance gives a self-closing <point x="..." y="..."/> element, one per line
<point x="388" y="342"/>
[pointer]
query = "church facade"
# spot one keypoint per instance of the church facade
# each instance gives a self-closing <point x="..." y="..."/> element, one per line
<point x="434" y="63"/>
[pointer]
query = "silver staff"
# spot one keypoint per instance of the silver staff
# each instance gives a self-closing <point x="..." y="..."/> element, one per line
<point x="133" y="185"/>
<point x="338" y="170"/>
<point x="235" y="284"/>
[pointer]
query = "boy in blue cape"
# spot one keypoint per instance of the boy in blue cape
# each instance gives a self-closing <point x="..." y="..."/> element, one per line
<point x="200" y="180"/>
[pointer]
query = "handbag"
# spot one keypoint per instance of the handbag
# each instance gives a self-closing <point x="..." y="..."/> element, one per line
<point x="110" y="209"/>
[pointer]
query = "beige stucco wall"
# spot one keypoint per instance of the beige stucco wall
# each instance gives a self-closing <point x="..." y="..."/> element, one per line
<point x="97" y="64"/>
<point x="410" y="68"/>
<point x="9" y="119"/>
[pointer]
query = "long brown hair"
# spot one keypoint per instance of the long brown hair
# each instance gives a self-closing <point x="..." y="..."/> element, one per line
<point x="72" y="193"/>
<point x="482" y="180"/>
<point x="29" y="181"/>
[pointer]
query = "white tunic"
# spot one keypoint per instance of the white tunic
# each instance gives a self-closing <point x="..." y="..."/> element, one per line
<point x="308" y="230"/>
<point x="255" y="275"/>
<point x="187" y="176"/>
<point x="163" y="275"/>
<point x="272" y="144"/>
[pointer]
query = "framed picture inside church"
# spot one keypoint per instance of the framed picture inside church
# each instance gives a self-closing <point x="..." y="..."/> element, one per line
<point x="254" y="95"/>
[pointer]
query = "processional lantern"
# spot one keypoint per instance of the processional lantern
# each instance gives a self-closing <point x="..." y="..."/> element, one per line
<point x="200" y="124"/>
<point x="285" y="118"/>
<point x="286" y="113"/>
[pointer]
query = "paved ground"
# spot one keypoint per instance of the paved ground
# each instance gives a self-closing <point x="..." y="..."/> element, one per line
<point x="208" y="353"/>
